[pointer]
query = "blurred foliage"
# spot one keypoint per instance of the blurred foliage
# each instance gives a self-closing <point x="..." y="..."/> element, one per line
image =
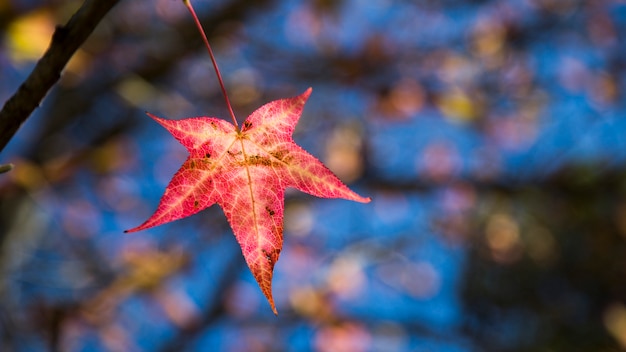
<point x="546" y="265"/>
<point x="490" y="135"/>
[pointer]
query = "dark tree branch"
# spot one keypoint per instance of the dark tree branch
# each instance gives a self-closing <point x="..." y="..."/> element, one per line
<point x="65" y="41"/>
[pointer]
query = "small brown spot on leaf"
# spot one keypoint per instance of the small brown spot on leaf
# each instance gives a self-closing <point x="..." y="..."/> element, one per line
<point x="196" y="203"/>
<point x="270" y="211"/>
<point x="247" y="124"/>
<point x="279" y="154"/>
<point x="271" y="256"/>
<point x="267" y="255"/>
<point x="258" y="160"/>
<point x="207" y="155"/>
<point x="282" y="155"/>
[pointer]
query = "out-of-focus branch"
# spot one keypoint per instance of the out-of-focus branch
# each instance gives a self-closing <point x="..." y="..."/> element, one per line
<point x="65" y="41"/>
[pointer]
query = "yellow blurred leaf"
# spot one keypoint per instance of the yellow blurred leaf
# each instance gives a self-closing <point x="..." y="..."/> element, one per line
<point x="615" y="322"/>
<point x="457" y="106"/>
<point x="28" y="175"/>
<point x="29" y="36"/>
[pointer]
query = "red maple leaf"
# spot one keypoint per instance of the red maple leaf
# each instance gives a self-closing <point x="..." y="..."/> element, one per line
<point x="246" y="172"/>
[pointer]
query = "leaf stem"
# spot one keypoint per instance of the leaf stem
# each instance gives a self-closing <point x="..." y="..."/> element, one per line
<point x="217" y="70"/>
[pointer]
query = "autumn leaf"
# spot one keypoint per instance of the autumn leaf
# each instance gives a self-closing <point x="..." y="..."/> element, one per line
<point x="246" y="172"/>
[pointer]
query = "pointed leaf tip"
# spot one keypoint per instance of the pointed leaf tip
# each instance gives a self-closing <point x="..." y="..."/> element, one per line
<point x="153" y="116"/>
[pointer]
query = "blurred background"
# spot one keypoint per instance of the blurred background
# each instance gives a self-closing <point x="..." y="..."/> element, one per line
<point x="490" y="134"/>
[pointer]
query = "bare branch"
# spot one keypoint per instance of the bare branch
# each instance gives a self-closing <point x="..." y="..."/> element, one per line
<point x="65" y="41"/>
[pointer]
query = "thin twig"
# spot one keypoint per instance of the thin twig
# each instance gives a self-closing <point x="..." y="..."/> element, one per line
<point x="5" y="168"/>
<point x="217" y="70"/>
